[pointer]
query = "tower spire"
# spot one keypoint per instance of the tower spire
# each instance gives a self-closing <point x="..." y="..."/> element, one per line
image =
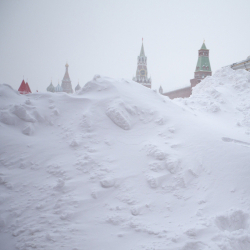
<point x="142" y="49"/>
<point x="203" y="68"/>
<point x="142" y="71"/>
<point x="66" y="83"/>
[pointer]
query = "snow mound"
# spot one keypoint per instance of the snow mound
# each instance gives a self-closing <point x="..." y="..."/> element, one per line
<point x="232" y="222"/>
<point x="118" y="164"/>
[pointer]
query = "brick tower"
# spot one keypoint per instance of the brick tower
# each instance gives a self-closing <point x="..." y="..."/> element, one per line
<point x="203" y="68"/>
<point x="142" y="71"/>
<point x="66" y="83"/>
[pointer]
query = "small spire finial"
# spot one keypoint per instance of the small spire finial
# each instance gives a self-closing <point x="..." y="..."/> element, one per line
<point x="142" y="39"/>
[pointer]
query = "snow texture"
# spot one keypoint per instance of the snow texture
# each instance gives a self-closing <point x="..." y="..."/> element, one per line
<point x="117" y="165"/>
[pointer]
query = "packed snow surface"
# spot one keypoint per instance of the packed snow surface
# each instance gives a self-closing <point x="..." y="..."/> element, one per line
<point x="119" y="166"/>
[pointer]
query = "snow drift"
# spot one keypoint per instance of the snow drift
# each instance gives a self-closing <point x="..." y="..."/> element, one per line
<point x="119" y="166"/>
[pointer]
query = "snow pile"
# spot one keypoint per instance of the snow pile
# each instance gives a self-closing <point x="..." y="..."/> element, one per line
<point x="118" y="165"/>
<point x="227" y="91"/>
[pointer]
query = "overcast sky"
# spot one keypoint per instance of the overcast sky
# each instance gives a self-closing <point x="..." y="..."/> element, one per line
<point x="104" y="37"/>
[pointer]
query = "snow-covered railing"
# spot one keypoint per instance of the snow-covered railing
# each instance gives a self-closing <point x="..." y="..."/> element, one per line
<point x="244" y="64"/>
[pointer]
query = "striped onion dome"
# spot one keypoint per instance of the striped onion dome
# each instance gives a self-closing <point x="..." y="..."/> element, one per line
<point x="58" y="88"/>
<point x="77" y="87"/>
<point x="51" y="88"/>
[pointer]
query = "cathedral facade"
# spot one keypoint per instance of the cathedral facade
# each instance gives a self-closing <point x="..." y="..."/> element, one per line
<point x="142" y="70"/>
<point x="66" y="84"/>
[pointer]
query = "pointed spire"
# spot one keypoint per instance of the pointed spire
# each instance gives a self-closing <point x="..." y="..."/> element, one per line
<point x="142" y="49"/>
<point x="203" y="45"/>
<point x="66" y="75"/>
<point x="66" y="83"/>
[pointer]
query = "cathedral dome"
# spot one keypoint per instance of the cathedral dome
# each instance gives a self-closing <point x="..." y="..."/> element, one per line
<point x="51" y="88"/>
<point x="58" y="88"/>
<point x="78" y="87"/>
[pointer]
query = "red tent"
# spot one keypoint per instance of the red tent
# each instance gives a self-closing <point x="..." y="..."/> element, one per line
<point x="24" y="88"/>
<point x="28" y="88"/>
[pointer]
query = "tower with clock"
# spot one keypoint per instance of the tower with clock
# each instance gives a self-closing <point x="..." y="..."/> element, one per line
<point x="142" y="71"/>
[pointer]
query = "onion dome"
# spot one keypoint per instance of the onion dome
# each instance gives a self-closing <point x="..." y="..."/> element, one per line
<point x="51" y="88"/>
<point x="78" y="87"/>
<point x="58" y="88"/>
<point x="160" y="90"/>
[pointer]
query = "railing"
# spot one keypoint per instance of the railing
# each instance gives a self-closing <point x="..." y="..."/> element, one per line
<point x="245" y="64"/>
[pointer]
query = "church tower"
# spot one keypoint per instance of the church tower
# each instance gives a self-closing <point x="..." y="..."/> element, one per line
<point x="142" y="71"/>
<point x="66" y="83"/>
<point x="203" y="68"/>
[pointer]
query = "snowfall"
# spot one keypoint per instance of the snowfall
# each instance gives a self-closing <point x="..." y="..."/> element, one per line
<point x="119" y="166"/>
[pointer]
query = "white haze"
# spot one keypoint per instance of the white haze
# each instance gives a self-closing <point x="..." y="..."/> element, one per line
<point x="104" y="37"/>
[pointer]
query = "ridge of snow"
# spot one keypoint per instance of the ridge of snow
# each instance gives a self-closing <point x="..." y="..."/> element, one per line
<point x="118" y="165"/>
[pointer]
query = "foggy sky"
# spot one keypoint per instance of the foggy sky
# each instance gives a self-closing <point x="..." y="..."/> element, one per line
<point x="104" y="37"/>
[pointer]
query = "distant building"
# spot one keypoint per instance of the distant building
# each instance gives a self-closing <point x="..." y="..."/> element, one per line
<point x="66" y="83"/>
<point x="24" y="88"/>
<point x="51" y="88"/>
<point x="142" y="71"/>
<point x="202" y="70"/>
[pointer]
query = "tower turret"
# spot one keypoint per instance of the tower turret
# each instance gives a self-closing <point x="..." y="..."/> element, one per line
<point x="203" y="68"/>
<point x="142" y="71"/>
<point x="66" y="83"/>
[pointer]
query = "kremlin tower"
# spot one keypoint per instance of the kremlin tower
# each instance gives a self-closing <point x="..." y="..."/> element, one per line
<point x="142" y="71"/>
<point x="203" y="68"/>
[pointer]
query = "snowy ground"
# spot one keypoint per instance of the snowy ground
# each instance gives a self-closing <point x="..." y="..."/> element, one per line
<point x="118" y="166"/>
